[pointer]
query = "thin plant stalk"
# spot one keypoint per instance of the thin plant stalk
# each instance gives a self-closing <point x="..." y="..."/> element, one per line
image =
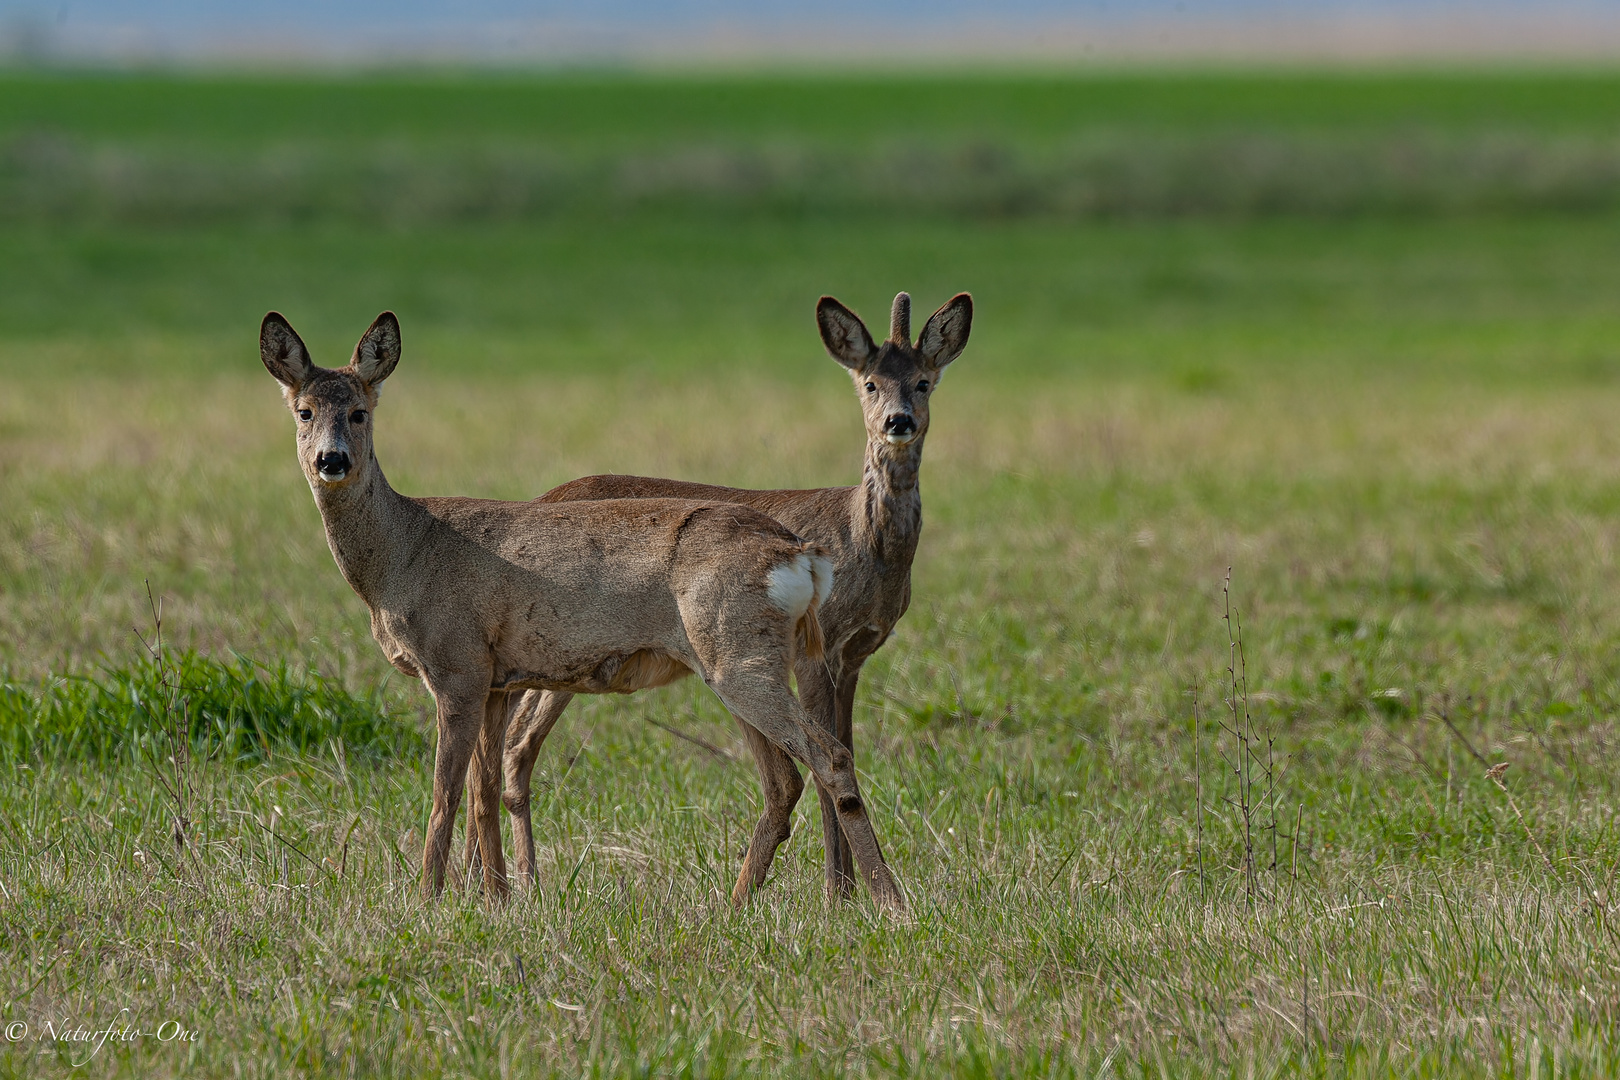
<point x="1241" y="724"/>
<point x="1198" y="794"/>
<point x="1494" y="775"/>
<point x="172" y="715"/>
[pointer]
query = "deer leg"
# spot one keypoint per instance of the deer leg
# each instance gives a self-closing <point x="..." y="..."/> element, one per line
<point x="483" y="808"/>
<point x="484" y="769"/>
<point x="461" y="720"/>
<point x="768" y="705"/>
<point x="846" y="735"/>
<point x="821" y="701"/>
<point x="781" y="785"/>
<point x="536" y="714"/>
<point x="472" y="865"/>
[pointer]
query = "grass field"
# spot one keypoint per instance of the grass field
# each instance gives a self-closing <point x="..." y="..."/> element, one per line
<point x="1388" y="409"/>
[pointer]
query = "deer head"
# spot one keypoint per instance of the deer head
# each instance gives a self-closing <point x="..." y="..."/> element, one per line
<point x="333" y="406"/>
<point x="895" y="379"/>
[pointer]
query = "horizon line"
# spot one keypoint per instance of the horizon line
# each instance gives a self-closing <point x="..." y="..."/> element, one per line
<point x="1422" y="36"/>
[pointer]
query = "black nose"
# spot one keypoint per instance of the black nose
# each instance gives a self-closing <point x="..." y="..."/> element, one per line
<point x="332" y="461"/>
<point x="900" y="424"/>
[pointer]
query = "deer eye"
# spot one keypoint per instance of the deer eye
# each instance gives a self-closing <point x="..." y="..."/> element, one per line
<point x="358" y="416"/>
<point x="922" y="387"/>
<point x="305" y="415"/>
<point x="871" y="388"/>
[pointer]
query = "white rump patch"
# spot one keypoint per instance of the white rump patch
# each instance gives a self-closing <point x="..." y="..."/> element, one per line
<point x="791" y="586"/>
<point x="821" y="568"/>
<point x="794" y="583"/>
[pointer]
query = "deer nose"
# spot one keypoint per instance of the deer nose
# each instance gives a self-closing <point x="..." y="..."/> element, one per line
<point x="900" y="426"/>
<point x="332" y="464"/>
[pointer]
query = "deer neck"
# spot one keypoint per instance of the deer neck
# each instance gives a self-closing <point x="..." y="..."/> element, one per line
<point x="888" y="502"/>
<point x="370" y="528"/>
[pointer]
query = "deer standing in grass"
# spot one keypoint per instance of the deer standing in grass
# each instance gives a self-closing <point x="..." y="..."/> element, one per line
<point x="482" y="599"/>
<point x="870" y="531"/>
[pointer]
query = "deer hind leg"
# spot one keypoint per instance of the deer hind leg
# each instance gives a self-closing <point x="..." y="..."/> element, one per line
<point x="472" y="863"/>
<point x="536" y="714"/>
<point x="851" y="676"/>
<point x="821" y="701"/>
<point x="781" y="785"/>
<point x="472" y="866"/>
<point x="461" y="708"/>
<point x="766" y="703"/>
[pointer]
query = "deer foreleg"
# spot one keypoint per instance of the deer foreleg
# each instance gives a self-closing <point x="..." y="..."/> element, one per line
<point x="483" y="808"/>
<point x="460" y="722"/>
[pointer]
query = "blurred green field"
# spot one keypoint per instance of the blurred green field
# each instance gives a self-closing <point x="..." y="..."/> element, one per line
<point x="1355" y="336"/>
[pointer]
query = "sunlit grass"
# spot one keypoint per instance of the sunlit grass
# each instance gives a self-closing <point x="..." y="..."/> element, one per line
<point x="1026" y="738"/>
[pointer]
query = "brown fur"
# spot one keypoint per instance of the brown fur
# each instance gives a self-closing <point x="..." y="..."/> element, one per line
<point x="870" y="531"/>
<point x="812" y="645"/>
<point x="483" y="599"/>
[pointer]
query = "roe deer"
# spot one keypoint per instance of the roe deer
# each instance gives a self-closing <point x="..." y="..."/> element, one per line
<point x="870" y="531"/>
<point x="481" y="599"/>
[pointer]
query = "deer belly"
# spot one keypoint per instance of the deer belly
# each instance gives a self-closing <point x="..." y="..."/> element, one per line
<point x="642" y="670"/>
<point x="620" y="673"/>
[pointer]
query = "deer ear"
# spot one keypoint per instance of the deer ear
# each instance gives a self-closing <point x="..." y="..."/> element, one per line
<point x="378" y="351"/>
<point x="283" y="352"/>
<point x="945" y="334"/>
<point x="844" y="335"/>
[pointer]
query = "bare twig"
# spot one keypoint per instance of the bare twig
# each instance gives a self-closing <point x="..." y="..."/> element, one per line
<point x="343" y="857"/>
<point x="693" y="739"/>
<point x="1445" y="718"/>
<point x="294" y="848"/>
<point x="1494" y="775"/>
<point x="1271" y="799"/>
<point x="1293" y="853"/>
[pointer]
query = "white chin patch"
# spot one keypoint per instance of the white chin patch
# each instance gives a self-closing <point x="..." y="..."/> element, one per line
<point x="898" y="440"/>
<point x="332" y="477"/>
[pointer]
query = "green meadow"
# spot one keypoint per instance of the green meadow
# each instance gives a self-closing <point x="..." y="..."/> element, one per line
<point x="1352" y="339"/>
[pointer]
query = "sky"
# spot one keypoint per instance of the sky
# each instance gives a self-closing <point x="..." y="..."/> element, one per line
<point x="548" y="29"/>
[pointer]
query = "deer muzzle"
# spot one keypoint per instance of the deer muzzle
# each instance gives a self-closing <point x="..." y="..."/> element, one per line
<point x="900" y="428"/>
<point x="332" y="465"/>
